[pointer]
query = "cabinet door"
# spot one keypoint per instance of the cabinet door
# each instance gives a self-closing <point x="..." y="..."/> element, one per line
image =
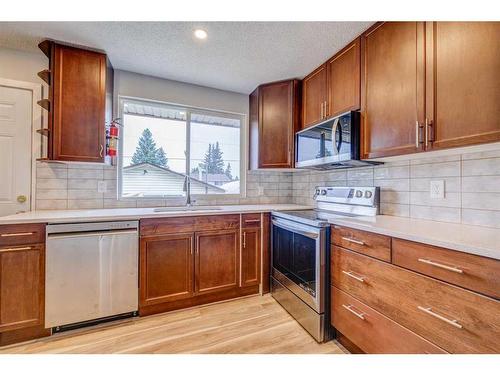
<point x="22" y="272"/>
<point x="393" y="83"/>
<point x="463" y="83"/>
<point x="278" y="112"/>
<point x="344" y="76"/>
<point x="217" y="260"/>
<point x="78" y="111"/>
<point x="314" y="97"/>
<point x="250" y="257"/>
<point x="166" y="272"/>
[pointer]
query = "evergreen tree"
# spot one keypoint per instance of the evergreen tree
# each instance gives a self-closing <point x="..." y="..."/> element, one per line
<point x="217" y="160"/>
<point x="146" y="151"/>
<point x="228" y="171"/>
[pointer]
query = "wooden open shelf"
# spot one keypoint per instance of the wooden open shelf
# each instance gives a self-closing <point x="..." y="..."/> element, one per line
<point x="44" y="103"/>
<point x="46" y="47"/>
<point x="43" y="131"/>
<point x="45" y="75"/>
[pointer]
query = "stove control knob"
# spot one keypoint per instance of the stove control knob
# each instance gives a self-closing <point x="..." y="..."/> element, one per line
<point x="368" y="194"/>
<point x="359" y="193"/>
<point x="323" y="192"/>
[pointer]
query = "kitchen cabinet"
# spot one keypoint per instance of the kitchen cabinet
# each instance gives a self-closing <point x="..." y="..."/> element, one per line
<point x="428" y="86"/>
<point x="22" y="282"/>
<point x="187" y="261"/>
<point x="344" y="80"/>
<point x="463" y="83"/>
<point x="314" y="97"/>
<point x="79" y="103"/>
<point x="274" y="119"/>
<point x="419" y="289"/>
<point x="167" y="271"/>
<point x="393" y="88"/>
<point x="251" y="250"/>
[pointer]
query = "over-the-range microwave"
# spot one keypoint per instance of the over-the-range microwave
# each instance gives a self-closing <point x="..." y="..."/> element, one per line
<point x="332" y="144"/>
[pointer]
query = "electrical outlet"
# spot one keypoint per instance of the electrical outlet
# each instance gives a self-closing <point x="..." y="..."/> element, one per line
<point x="260" y="190"/>
<point x="437" y="189"/>
<point x="101" y="187"/>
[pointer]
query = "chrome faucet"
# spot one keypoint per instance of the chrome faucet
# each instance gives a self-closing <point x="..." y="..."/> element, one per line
<point x="187" y="189"/>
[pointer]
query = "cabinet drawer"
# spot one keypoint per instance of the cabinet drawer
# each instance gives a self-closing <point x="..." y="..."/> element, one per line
<point x="373" y="332"/>
<point x="473" y="272"/>
<point x="250" y="220"/>
<point x="453" y="318"/>
<point x="19" y="234"/>
<point x="168" y="225"/>
<point x="374" y="245"/>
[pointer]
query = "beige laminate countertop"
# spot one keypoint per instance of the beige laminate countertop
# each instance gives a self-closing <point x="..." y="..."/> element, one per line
<point x="113" y="214"/>
<point x="461" y="237"/>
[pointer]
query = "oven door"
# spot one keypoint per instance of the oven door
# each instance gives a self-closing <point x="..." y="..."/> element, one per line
<point x="298" y="260"/>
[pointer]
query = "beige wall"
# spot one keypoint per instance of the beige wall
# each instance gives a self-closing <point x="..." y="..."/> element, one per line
<point x="22" y="66"/>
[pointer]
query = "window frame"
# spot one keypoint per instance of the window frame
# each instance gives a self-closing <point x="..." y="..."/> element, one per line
<point x="174" y="199"/>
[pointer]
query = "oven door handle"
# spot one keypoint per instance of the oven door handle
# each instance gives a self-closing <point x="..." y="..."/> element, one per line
<point x="294" y="229"/>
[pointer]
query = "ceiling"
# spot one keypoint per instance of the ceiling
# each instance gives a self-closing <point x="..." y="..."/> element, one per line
<point x="236" y="56"/>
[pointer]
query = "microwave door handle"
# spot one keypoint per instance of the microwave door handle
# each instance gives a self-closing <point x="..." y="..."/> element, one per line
<point x="295" y="229"/>
<point x="335" y="129"/>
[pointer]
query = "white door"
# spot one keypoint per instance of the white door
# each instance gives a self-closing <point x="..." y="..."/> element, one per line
<point x="15" y="150"/>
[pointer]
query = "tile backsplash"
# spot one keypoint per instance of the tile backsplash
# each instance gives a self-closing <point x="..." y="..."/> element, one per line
<point x="472" y="187"/>
<point x="471" y="180"/>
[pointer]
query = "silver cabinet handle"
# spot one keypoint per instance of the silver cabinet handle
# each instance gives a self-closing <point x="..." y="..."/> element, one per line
<point x="428" y="124"/>
<point x="428" y="310"/>
<point x="9" y="249"/>
<point x="251" y="221"/>
<point x="294" y="229"/>
<point x="443" y="266"/>
<point x="351" y="274"/>
<point x="101" y="149"/>
<point x="353" y="241"/>
<point x="351" y="310"/>
<point x="244" y="240"/>
<point x="16" y="234"/>
<point x="321" y="115"/>
<point x="326" y="109"/>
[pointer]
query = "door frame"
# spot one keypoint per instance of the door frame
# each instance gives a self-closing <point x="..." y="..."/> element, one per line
<point x="37" y="122"/>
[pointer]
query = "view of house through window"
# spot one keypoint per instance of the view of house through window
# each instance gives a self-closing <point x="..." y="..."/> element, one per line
<point x="161" y="145"/>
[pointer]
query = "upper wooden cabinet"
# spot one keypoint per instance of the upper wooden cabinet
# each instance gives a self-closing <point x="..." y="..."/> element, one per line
<point x="463" y="83"/>
<point x="333" y="88"/>
<point x="79" y="103"/>
<point x="393" y="88"/>
<point x="343" y="80"/>
<point x="314" y="97"/>
<point x="429" y="86"/>
<point x="274" y="119"/>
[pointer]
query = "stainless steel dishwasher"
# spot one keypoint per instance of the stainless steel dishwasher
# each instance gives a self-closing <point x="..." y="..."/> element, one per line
<point x="91" y="272"/>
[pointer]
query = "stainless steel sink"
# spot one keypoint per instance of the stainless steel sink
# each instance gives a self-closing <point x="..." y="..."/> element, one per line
<point x="186" y="209"/>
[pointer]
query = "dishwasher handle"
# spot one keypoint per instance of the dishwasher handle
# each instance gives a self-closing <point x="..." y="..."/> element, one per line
<point x="92" y="234"/>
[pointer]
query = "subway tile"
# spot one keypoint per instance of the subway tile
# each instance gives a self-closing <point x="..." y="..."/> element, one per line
<point x="51" y="194"/>
<point x="448" y="169"/>
<point x="147" y="203"/>
<point x="82" y="184"/>
<point x="285" y="200"/>
<point x="84" y="194"/>
<point x="286" y="177"/>
<point x="114" y="203"/>
<point x="422" y="198"/>
<point x="337" y="175"/>
<point x="481" y="167"/>
<point x="360" y="174"/>
<point x="285" y="186"/>
<point x="41" y="164"/>
<point x="400" y="197"/>
<point x="252" y="185"/>
<point x="51" y="183"/>
<point x="86" y="173"/>
<point x="52" y="173"/>
<point x="270" y="177"/>
<point x="253" y="177"/>
<point x="51" y="204"/>
<point x="451" y="184"/>
<point x="269" y="185"/>
<point x="85" y="166"/>
<point x="481" y="184"/>
<point x="391" y="172"/>
<point x="448" y="214"/>
<point x="481" y="217"/>
<point x="397" y="184"/>
<point x="482" y="155"/>
<point x="110" y="174"/>
<point x="360" y="183"/>
<point x="481" y="201"/>
<point x="393" y="209"/>
<point x="434" y="160"/>
<point x="77" y="204"/>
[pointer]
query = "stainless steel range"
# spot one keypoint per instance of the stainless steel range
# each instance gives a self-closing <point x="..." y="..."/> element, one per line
<point x="300" y="253"/>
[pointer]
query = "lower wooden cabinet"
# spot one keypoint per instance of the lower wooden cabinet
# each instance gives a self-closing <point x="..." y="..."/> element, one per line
<point x="194" y="260"/>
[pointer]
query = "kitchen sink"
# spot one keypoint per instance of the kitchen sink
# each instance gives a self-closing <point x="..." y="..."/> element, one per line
<point x="185" y="209"/>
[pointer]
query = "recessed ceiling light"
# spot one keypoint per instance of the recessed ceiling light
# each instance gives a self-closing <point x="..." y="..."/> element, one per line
<point x="200" y="34"/>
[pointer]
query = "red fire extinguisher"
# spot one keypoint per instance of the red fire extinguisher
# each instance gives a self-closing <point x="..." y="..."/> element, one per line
<point x="113" y="132"/>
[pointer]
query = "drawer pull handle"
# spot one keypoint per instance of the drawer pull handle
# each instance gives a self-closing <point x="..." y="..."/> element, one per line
<point x="443" y="266"/>
<point x="351" y="274"/>
<point x="250" y="221"/>
<point x="353" y="241"/>
<point x="428" y="310"/>
<point x="352" y="311"/>
<point x="9" y="249"/>
<point x="16" y="234"/>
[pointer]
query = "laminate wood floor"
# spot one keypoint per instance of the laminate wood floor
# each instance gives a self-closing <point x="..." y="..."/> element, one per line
<point x="256" y="324"/>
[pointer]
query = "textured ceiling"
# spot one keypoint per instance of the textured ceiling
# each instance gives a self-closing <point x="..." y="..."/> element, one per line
<point x="236" y="56"/>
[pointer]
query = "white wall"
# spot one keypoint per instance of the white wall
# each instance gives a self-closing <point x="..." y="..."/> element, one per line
<point x="153" y="88"/>
<point x="22" y="66"/>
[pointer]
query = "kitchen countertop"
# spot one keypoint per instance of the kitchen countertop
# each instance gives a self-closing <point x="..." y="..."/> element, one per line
<point x="114" y="214"/>
<point x="461" y="237"/>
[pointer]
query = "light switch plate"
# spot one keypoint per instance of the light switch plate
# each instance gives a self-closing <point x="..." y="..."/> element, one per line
<point x="437" y="189"/>
<point x="101" y="187"/>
